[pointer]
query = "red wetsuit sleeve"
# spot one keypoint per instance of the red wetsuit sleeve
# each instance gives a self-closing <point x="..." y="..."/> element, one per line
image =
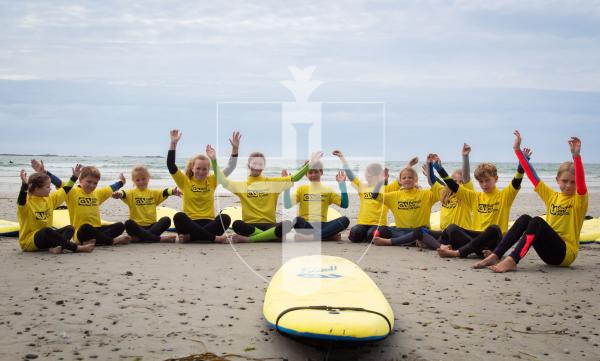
<point x="531" y="174"/>
<point x="579" y="176"/>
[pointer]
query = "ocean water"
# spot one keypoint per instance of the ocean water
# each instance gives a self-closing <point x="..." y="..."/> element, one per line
<point x="110" y="168"/>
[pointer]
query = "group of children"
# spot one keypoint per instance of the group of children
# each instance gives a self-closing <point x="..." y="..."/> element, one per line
<point x="472" y="222"/>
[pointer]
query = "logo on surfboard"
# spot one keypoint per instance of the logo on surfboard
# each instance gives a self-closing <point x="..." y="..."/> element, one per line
<point x="316" y="272"/>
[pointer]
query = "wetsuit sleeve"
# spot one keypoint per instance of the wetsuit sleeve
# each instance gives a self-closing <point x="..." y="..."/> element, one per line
<point x="344" y="193"/>
<point x="432" y="179"/>
<point x="171" y="161"/>
<point x="22" y="199"/>
<point x="54" y="180"/>
<point x="69" y="185"/>
<point x="116" y="186"/>
<point x="231" y="164"/>
<point x="518" y="178"/>
<point x="376" y="190"/>
<point x="287" y="199"/>
<point x="466" y="169"/>
<point x="168" y="192"/>
<point x="349" y="172"/>
<point x="579" y="176"/>
<point x="447" y="179"/>
<point x="221" y="178"/>
<point x="528" y="168"/>
<point x="300" y="173"/>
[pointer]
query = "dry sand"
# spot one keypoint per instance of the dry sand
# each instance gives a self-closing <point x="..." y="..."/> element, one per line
<point x="160" y="301"/>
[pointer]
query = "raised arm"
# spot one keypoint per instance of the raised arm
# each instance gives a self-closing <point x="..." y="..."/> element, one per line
<point x="76" y="172"/>
<point x="118" y="184"/>
<point x="315" y="157"/>
<point x="175" y="136"/>
<point x="466" y="167"/>
<point x="22" y="198"/>
<point x="38" y="166"/>
<point x="437" y="164"/>
<point x="524" y="160"/>
<point x="338" y="153"/>
<point x="287" y="197"/>
<point x="575" y="146"/>
<point x="212" y="154"/>
<point x="233" y="158"/>
<point x="341" y="179"/>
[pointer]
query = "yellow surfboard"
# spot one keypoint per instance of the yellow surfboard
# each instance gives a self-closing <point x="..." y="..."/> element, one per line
<point x="235" y="213"/>
<point x="327" y="298"/>
<point x="60" y="218"/>
<point x="166" y="212"/>
<point x="9" y="228"/>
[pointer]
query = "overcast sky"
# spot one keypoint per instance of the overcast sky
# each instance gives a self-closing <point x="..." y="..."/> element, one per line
<point x="111" y="78"/>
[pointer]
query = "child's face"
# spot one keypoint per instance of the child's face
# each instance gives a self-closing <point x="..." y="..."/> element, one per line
<point x="457" y="177"/>
<point x="256" y="166"/>
<point x="566" y="183"/>
<point x="314" y="175"/>
<point x="371" y="178"/>
<point x="140" y="179"/>
<point x="89" y="184"/>
<point x="407" y="180"/>
<point x="200" y="168"/>
<point x="487" y="183"/>
<point x="43" y="191"/>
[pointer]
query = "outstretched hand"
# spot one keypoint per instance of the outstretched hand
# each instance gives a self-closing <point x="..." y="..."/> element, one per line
<point x="117" y="195"/>
<point x="413" y="162"/>
<point x="235" y="142"/>
<point x="122" y="178"/>
<point x="341" y="176"/>
<point x="466" y="149"/>
<point x="23" y="175"/>
<point x="38" y="165"/>
<point x="76" y="170"/>
<point x="210" y="152"/>
<point x="177" y="192"/>
<point x="527" y="152"/>
<point x="315" y="157"/>
<point x="517" y="143"/>
<point x="175" y="136"/>
<point x="284" y="173"/>
<point x="575" y="145"/>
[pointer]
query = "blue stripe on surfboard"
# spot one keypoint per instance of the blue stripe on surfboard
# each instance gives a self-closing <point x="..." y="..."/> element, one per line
<point x="318" y="336"/>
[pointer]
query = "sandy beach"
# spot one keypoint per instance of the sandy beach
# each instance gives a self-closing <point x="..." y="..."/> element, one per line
<point x="161" y="301"/>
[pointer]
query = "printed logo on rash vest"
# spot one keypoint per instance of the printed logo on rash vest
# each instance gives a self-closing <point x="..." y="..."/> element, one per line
<point x="88" y="202"/>
<point x="196" y="188"/>
<point x="316" y="272"/>
<point x="143" y="201"/>
<point x="558" y="210"/>
<point x="257" y="193"/>
<point x="312" y="197"/>
<point x="451" y="203"/>
<point x="41" y="216"/>
<point x="409" y="205"/>
<point x="368" y="195"/>
<point x="488" y="208"/>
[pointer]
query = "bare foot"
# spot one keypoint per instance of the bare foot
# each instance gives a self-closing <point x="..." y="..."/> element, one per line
<point x="382" y="241"/>
<point x="445" y="246"/>
<point x="182" y="238"/>
<point x="238" y="238"/>
<point x="122" y="239"/>
<point x="91" y="241"/>
<point x="336" y="237"/>
<point x="85" y="247"/>
<point x="506" y="265"/>
<point x="447" y="252"/>
<point x="55" y="250"/>
<point x="168" y="239"/>
<point x="224" y="238"/>
<point x="486" y="252"/>
<point x="490" y="260"/>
